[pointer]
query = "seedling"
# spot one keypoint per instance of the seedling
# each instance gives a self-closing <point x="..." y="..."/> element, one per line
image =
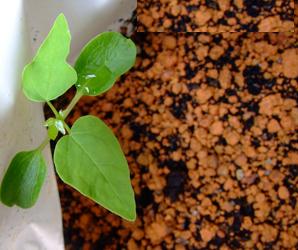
<point x="88" y="156"/>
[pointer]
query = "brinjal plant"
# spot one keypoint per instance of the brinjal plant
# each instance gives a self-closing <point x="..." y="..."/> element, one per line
<point x="88" y="156"/>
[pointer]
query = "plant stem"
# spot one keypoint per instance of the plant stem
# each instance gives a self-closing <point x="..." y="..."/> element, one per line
<point x="66" y="127"/>
<point x="64" y="114"/>
<point x="44" y="143"/>
<point x="54" y="110"/>
<point x="73" y="102"/>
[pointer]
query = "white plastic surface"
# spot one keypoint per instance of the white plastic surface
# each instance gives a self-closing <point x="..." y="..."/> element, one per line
<point x="40" y="227"/>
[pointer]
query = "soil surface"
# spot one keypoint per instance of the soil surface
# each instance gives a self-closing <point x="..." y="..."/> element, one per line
<point x="209" y="127"/>
<point x="215" y="16"/>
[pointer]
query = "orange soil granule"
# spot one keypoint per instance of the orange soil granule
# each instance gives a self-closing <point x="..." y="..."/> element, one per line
<point x="209" y="126"/>
<point x="216" y="16"/>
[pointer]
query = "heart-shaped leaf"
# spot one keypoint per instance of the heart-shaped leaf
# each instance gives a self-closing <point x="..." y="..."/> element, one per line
<point x="49" y="76"/>
<point x="90" y="159"/>
<point x="102" y="61"/>
<point x="23" y="179"/>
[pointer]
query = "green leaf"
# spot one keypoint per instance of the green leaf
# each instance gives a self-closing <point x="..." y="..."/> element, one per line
<point x="52" y="132"/>
<point x="49" y="76"/>
<point x="90" y="159"/>
<point x="54" y="126"/>
<point x="23" y="179"/>
<point x="102" y="61"/>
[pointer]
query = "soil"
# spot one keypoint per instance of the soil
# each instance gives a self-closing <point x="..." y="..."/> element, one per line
<point x="215" y="16"/>
<point x="209" y="127"/>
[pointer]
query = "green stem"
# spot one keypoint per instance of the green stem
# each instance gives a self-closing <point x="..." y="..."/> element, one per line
<point x="53" y="109"/>
<point x="73" y="102"/>
<point x="66" y="127"/>
<point x="43" y="144"/>
<point x="64" y="114"/>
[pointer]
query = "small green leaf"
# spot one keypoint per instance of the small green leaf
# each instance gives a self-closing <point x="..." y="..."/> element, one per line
<point x="54" y="126"/>
<point x="52" y="132"/>
<point x="53" y="129"/>
<point x="90" y="159"/>
<point x="23" y="179"/>
<point x="49" y="76"/>
<point x="102" y="61"/>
